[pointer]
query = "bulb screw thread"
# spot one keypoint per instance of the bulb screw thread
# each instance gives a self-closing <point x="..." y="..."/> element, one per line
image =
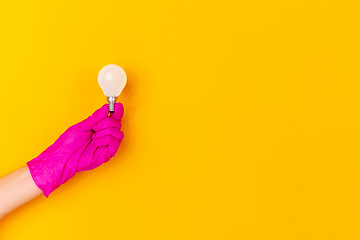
<point x="112" y="101"/>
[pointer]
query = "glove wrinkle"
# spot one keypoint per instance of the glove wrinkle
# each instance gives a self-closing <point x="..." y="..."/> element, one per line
<point x="77" y="150"/>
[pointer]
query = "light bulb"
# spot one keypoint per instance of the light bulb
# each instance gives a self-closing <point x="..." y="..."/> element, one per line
<point x="112" y="80"/>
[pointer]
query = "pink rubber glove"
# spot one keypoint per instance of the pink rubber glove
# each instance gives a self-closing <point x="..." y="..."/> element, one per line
<point x="83" y="146"/>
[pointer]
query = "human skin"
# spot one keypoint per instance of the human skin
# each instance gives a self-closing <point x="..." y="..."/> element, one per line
<point x="16" y="189"/>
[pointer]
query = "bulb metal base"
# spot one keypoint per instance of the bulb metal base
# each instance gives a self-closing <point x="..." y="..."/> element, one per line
<point x="112" y="101"/>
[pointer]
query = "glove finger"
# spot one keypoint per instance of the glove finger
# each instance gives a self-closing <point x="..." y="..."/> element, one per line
<point x="107" y="122"/>
<point x="119" y="111"/>
<point x="86" y="161"/>
<point x="100" y="114"/>
<point x="110" y="143"/>
<point x="102" y="155"/>
<point x="106" y="141"/>
<point x="108" y="132"/>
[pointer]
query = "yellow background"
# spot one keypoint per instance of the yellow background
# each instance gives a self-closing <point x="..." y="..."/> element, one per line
<point x="242" y="118"/>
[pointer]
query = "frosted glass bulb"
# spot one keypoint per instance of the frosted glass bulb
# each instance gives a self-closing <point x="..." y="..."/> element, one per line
<point x="112" y="80"/>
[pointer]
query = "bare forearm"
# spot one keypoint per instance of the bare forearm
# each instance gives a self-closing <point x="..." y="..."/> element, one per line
<point x="16" y="189"/>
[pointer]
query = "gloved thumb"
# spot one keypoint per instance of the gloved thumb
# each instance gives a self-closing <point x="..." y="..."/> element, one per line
<point x="100" y="114"/>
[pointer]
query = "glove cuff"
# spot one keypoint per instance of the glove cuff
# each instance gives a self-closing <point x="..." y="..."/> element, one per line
<point x="47" y="174"/>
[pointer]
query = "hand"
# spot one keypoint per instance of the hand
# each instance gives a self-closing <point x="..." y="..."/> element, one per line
<point x="83" y="146"/>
